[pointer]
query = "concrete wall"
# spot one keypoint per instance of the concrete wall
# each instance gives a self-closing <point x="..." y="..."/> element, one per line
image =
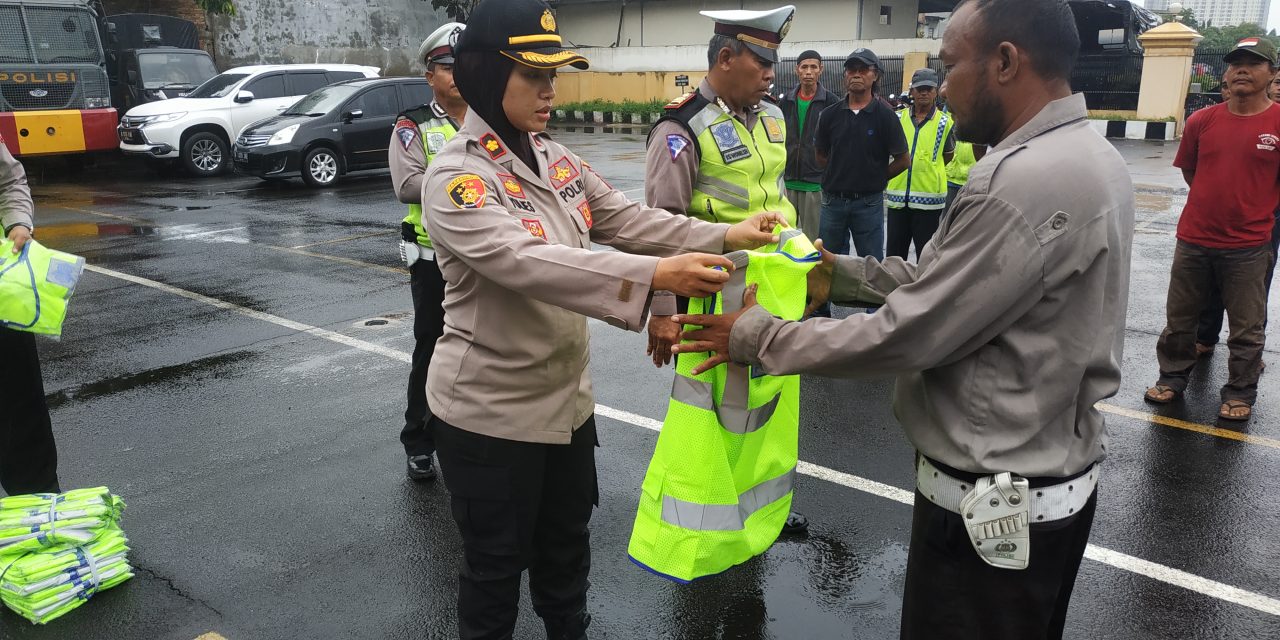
<point x="379" y="33"/>
<point x="676" y="22"/>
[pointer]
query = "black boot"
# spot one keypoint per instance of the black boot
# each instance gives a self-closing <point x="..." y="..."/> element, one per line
<point x="572" y="627"/>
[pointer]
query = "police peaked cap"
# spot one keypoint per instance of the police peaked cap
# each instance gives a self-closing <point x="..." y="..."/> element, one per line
<point x="523" y="30"/>
<point x="438" y="47"/>
<point x="761" y="31"/>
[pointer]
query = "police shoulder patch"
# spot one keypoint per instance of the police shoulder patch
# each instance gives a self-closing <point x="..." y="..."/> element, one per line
<point x="407" y="132"/>
<point x="493" y="146"/>
<point x="535" y="227"/>
<point x="681" y="101"/>
<point x="676" y="144"/>
<point x="467" y="191"/>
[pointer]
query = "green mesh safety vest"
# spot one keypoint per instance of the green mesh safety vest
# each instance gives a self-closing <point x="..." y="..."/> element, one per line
<point x="958" y="170"/>
<point x="433" y="132"/>
<point x="739" y="171"/>
<point x="719" y="485"/>
<point x="924" y="184"/>
<point x="35" y="286"/>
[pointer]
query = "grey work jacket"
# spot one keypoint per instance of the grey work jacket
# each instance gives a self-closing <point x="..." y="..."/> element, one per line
<point x="514" y="247"/>
<point x="802" y="157"/>
<point x="15" y="195"/>
<point x="1012" y="325"/>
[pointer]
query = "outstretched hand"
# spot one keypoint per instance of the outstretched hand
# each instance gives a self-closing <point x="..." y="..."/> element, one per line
<point x="713" y="337"/>
<point x="820" y="276"/>
<point x="692" y="275"/>
<point x="19" y="235"/>
<point x="754" y="232"/>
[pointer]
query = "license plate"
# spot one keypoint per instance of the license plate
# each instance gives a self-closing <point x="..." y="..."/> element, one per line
<point x="131" y="136"/>
<point x="242" y="156"/>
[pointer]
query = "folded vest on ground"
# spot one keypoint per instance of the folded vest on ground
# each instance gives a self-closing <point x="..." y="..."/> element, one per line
<point x="718" y="488"/>
<point x="35" y="286"/>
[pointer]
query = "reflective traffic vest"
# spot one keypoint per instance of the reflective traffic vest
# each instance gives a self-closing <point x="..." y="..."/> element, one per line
<point x="739" y="171"/>
<point x="434" y="131"/>
<point x="958" y="170"/>
<point x="35" y="286"/>
<point x="719" y="485"/>
<point x="924" y="184"/>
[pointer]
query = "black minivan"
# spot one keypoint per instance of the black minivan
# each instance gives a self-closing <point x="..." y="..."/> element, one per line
<point x="331" y="131"/>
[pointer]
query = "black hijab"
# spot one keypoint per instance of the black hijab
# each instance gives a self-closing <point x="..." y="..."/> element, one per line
<point x="482" y="78"/>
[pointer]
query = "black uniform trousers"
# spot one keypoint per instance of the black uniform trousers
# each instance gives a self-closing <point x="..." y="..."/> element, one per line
<point x="909" y="226"/>
<point x="426" y="284"/>
<point x="951" y="593"/>
<point x="28" y="455"/>
<point x="519" y="505"/>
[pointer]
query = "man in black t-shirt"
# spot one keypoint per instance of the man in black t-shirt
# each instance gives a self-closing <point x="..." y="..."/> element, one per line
<point x="861" y="145"/>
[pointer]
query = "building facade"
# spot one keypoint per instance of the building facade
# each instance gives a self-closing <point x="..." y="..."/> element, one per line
<point x="1220" y="13"/>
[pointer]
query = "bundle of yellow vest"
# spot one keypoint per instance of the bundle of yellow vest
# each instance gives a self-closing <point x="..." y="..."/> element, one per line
<point x="719" y="485"/>
<point x="35" y="286"/>
<point x="58" y="550"/>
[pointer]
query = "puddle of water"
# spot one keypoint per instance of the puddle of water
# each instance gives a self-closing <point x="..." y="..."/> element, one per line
<point x="169" y="375"/>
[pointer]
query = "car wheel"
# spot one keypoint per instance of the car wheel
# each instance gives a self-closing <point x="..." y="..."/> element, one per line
<point x="204" y="154"/>
<point x="320" y="167"/>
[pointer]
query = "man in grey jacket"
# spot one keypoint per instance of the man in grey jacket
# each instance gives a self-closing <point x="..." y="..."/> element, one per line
<point x="28" y="455"/>
<point x="1003" y="337"/>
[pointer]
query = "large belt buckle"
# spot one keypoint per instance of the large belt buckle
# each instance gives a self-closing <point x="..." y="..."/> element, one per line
<point x="409" y="253"/>
<point x="996" y="515"/>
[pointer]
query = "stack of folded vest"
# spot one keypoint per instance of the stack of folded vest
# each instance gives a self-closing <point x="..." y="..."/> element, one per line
<point x="58" y="550"/>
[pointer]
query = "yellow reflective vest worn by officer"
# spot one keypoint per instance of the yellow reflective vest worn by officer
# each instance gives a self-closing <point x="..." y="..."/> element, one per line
<point x="958" y="169"/>
<point x="719" y="486"/>
<point x="923" y="186"/>
<point x="513" y="360"/>
<point x="420" y="134"/>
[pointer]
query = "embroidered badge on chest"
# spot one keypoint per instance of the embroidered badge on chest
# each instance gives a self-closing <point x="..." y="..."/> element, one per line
<point x="435" y="142"/>
<point x="493" y="146"/>
<point x="534" y="227"/>
<point x="585" y="210"/>
<point x="729" y="142"/>
<point x="467" y="191"/>
<point x="562" y="172"/>
<point x="772" y="129"/>
<point x="512" y="186"/>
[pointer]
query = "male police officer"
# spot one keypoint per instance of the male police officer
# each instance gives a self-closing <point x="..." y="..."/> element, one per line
<point x="1003" y="336"/>
<point x="719" y="153"/>
<point x="28" y="455"/>
<point x="418" y="136"/>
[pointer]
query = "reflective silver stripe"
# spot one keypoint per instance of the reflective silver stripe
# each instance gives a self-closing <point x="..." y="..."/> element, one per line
<point x="721" y="190"/>
<point x="735" y="417"/>
<point x="727" y="517"/>
<point x="705" y="118"/>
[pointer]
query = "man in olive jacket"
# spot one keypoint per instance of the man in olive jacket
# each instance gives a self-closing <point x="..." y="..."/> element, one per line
<point x="801" y="105"/>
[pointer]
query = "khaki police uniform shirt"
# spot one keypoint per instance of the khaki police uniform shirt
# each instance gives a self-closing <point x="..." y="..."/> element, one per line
<point x="1012" y="325"/>
<point x="668" y="180"/>
<point x="15" y="195"/>
<point x="408" y="158"/>
<point x="514" y="247"/>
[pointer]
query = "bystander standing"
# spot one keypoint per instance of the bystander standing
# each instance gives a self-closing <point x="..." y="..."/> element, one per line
<point x="801" y="106"/>
<point x="917" y="198"/>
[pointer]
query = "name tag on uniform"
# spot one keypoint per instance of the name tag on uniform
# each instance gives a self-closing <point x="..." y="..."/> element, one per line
<point x="435" y="142"/>
<point x="772" y="129"/>
<point x="732" y="149"/>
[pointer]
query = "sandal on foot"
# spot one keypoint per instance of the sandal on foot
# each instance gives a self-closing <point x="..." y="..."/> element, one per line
<point x="1226" y="410"/>
<point x="1157" y="394"/>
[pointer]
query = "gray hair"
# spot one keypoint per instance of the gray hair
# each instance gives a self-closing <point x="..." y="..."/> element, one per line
<point x="719" y="42"/>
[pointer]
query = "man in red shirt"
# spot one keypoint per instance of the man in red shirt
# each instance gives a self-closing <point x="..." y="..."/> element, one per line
<point x="1230" y="157"/>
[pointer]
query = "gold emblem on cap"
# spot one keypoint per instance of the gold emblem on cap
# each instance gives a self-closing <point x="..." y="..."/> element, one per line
<point x="548" y="20"/>
<point x="786" y="26"/>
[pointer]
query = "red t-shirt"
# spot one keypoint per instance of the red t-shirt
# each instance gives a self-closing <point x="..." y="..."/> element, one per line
<point x="1236" y="188"/>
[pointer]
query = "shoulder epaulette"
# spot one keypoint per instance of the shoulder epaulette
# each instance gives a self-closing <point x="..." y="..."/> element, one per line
<point x="681" y="101"/>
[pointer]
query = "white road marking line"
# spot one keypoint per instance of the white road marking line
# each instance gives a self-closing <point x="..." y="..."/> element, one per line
<point x="1124" y="562"/>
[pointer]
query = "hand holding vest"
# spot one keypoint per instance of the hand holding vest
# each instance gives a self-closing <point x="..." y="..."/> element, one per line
<point x="35" y="286"/>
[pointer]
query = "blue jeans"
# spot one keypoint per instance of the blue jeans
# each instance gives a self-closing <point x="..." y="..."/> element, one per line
<point x="863" y="219"/>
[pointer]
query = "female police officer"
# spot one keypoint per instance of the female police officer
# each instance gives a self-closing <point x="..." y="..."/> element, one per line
<point x="512" y="215"/>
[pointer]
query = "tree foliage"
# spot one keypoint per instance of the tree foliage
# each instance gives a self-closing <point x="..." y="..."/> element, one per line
<point x="220" y="7"/>
<point x="1219" y="38"/>
<point x="457" y="10"/>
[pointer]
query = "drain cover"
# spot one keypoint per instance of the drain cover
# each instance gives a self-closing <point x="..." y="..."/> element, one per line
<point x="376" y="322"/>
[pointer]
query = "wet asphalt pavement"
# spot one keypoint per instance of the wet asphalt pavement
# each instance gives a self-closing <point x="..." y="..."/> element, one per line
<point x="218" y="372"/>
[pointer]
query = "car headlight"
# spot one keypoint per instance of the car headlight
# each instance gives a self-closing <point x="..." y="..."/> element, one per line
<point x="97" y="103"/>
<point x="168" y="117"/>
<point x="283" y="136"/>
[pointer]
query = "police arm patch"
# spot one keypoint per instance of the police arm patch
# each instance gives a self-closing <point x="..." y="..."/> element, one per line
<point x="407" y="132"/>
<point x="676" y="144"/>
<point x="534" y="227"/>
<point x="467" y="191"/>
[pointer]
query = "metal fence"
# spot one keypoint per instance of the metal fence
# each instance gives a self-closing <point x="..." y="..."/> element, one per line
<point x="1108" y="80"/>
<point x="1205" y="89"/>
<point x="833" y="75"/>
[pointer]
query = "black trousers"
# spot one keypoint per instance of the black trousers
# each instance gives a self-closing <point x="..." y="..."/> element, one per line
<point x="952" y="594"/>
<point x="518" y="506"/>
<point x="907" y="227"/>
<point x="28" y="455"/>
<point x="1210" y="325"/>
<point x="426" y="284"/>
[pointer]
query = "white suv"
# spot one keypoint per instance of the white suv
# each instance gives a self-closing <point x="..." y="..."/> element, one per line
<point x="197" y="129"/>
